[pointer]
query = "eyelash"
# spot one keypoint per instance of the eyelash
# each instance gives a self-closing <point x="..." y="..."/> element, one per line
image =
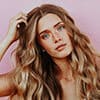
<point x="45" y="34"/>
<point x="59" y="28"/>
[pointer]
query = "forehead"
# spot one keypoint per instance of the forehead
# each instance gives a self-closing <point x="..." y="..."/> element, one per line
<point x="48" y="21"/>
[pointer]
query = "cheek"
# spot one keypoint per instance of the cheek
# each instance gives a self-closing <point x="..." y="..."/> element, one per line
<point x="66" y="37"/>
<point x="46" y="45"/>
<point x="49" y="48"/>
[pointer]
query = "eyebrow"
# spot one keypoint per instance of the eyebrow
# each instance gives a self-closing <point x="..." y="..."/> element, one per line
<point x="53" y="26"/>
<point x="44" y="32"/>
<point x="57" y="24"/>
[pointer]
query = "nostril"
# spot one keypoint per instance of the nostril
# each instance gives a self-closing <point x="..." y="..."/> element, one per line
<point x="57" y="39"/>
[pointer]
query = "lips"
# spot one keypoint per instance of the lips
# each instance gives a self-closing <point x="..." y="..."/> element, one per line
<point x="60" y="47"/>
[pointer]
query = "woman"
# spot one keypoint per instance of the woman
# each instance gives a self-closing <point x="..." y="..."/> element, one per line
<point x="54" y="60"/>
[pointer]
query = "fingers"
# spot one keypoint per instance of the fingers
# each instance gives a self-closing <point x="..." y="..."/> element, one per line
<point x="20" y="15"/>
<point x="21" y="23"/>
<point x="21" y="20"/>
<point x="15" y="26"/>
<point x="18" y="19"/>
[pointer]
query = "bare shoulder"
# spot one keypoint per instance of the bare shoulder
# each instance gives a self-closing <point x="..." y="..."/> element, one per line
<point x="7" y="85"/>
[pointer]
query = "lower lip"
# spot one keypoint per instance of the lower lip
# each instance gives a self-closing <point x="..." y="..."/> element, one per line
<point x="61" y="48"/>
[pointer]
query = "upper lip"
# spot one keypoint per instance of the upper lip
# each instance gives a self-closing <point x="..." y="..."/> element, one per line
<point x="60" y="45"/>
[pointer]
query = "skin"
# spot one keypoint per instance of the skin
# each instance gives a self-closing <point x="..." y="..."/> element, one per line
<point x="58" y="35"/>
<point x="7" y="85"/>
<point x="51" y="34"/>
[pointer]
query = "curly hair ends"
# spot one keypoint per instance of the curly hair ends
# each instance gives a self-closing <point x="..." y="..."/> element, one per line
<point x="84" y="65"/>
<point x="35" y="77"/>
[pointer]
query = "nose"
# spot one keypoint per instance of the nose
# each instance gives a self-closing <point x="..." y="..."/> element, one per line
<point x="56" y="37"/>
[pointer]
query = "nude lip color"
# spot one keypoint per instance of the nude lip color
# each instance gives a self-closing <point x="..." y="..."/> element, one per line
<point x="60" y="47"/>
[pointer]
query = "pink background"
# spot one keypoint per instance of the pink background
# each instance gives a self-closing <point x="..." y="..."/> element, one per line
<point x="86" y="14"/>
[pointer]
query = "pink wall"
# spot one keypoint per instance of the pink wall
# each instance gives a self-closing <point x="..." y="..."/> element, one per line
<point x="85" y="12"/>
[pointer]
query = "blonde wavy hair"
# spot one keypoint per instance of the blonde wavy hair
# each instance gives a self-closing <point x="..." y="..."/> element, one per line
<point x="35" y="71"/>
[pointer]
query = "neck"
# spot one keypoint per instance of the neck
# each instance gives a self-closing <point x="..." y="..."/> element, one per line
<point x="65" y="68"/>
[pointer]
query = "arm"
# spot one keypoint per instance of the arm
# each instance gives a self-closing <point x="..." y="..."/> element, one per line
<point x="7" y="85"/>
<point x="13" y="33"/>
<point x="4" y="46"/>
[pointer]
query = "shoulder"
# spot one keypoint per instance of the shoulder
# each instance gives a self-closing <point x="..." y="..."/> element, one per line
<point x="7" y="85"/>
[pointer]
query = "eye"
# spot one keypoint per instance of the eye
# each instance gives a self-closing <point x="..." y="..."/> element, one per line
<point x="45" y="36"/>
<point x="60" y="27"/>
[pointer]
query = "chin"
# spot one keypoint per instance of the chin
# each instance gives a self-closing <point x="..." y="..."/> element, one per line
<point x="63" y="54"/>
<point x="66" y="52"/>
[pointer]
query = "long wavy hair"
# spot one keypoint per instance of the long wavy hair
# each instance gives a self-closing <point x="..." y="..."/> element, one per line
<point x="35" y="76"/>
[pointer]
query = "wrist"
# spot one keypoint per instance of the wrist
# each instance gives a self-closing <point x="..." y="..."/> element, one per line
<point x="9" y="39"/>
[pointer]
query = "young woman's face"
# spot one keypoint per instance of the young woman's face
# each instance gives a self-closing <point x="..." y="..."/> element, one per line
<point x="53" y="37"/>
